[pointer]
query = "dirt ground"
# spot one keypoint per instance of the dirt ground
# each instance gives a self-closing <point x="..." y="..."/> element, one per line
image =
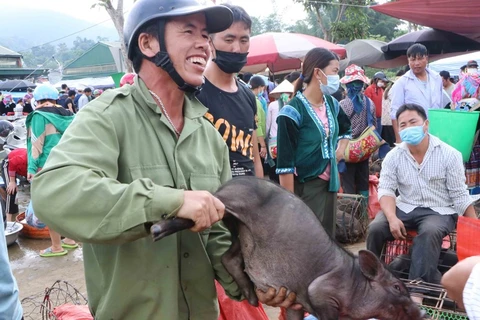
<point x="34" y="274"/>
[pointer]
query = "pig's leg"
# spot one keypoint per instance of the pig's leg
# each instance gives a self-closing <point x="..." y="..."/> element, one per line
<point x="321" y="292"/>
<point x="166" y="227"/>
<point x="294" y="314"/>
<point x="232" y="260"/>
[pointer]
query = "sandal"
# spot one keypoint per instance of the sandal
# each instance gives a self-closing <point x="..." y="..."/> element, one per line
<point x="69" y="246"/>
<point x="49" y="253"/>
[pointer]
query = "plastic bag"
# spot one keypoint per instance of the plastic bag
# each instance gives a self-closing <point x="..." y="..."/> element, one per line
<point x="234" y="310"/>
<point x="32" y="219"/>
<point x="468" y="241"/>
<point x="72" y="312"/>
<point x="373" y="203"/>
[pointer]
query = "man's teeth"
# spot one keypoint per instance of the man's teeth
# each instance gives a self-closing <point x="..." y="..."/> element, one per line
<point x="197" y="60"/>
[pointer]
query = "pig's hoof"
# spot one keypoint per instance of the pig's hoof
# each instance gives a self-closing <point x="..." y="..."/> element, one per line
<point x="253" y="301"/>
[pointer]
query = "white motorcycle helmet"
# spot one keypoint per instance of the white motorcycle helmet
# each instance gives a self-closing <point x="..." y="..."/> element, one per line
<point x="19" y="136"/>
<point x="6" y="128"/>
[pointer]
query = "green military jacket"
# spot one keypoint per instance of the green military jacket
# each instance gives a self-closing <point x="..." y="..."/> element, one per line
<point x="118" y="166"/>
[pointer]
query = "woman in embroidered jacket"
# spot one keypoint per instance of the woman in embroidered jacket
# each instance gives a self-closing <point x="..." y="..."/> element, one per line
<point x="313" y="132"/>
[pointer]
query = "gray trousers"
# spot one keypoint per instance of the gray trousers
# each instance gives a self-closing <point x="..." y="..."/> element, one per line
<point x="431" y="227"/>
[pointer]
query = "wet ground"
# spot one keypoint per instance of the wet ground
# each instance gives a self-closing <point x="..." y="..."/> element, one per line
<point x="34" y="274"/>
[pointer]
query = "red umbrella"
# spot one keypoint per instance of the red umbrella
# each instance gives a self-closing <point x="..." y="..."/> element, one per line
<point x="284" y="51"/>
<point x="458" y="16"/>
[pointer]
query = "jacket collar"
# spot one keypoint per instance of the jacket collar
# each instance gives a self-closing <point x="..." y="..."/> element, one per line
<point x="411" y="75"/>
<point x="192" y="107"/>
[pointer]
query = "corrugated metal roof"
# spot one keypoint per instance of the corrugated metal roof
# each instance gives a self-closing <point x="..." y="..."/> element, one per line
<point x="99" y="54"/>
<point x="9" y="53"/>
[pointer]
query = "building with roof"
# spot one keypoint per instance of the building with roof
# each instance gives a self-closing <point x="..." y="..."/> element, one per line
<point x="11" y="66"/>
<point x="101" y="60"/>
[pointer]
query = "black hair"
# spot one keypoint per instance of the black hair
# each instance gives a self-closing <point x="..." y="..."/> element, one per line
<point x="87" y="89"/>
<point x="411" y="107"/>
<point x="315" y="58"/>
<point x="150" y="28"/>
<point x="239" y="15"/>
<point x="64" y="86"/>
<point x="247" y="76"/>
<point x="71" y="93"/>
<point x="256" y="81"/>
<point x="445" y="75"/>
<point x="417" y="50"/>
<point x="293" y="76"/>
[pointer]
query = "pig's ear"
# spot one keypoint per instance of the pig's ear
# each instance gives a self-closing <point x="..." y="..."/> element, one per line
<point x="370" y="265"/>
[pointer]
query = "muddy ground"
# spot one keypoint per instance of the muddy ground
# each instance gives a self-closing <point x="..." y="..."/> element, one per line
<point x="34" y="274"/>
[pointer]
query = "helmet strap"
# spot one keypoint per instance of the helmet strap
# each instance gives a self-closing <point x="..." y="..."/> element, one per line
<point x="162" y="60"/>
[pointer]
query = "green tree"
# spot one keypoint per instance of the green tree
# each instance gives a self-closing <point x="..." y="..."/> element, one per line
<point x="381" y="26"/>
<point x="337" y="20"/>
<point x="308" y="26"/>
<point x="82" y="44"/>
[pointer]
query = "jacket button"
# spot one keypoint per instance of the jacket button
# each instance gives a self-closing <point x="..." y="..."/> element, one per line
<point x="186" y="255"/>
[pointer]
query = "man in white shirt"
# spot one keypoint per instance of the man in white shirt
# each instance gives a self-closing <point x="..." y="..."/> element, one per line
<point x="85" y="98"/>
<point x="419" y="85"/>
<point x="448" y="85"/>
<point x="430" y="178"/>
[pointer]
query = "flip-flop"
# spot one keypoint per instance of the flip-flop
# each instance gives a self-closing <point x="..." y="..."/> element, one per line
<point x="49" y="253"/>
<point x="69" y="246"/>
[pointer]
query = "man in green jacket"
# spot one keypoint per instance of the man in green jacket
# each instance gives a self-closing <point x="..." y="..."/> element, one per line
<point x="140" y="154"/>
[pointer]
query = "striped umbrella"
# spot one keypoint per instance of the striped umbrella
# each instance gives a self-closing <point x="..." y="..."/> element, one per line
<point x="283" y="51"/>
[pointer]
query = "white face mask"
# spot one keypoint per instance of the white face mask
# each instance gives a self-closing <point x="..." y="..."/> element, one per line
<point x="472" y="70"/>
<point x="380" y="84"/>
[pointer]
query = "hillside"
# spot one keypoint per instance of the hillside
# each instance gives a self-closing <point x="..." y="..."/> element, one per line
<point x="36" y="27"/>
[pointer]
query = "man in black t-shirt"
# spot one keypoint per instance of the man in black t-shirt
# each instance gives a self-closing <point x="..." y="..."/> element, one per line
<point x="232" y="106"/>
<point x="69" y="104"/>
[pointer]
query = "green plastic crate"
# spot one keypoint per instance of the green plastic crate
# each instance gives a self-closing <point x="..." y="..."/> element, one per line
<point x="444" y="314"/>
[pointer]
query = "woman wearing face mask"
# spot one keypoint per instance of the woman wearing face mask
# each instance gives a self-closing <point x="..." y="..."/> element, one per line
<point x="313" y="132"/>
<point x="375" y="92"/>
<point x="359" y="109"/>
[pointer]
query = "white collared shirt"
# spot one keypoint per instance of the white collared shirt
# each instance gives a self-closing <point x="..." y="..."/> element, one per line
<point x="437" y="183"/>
<point x="471" y="294"/>
<point x="409" y="89"/>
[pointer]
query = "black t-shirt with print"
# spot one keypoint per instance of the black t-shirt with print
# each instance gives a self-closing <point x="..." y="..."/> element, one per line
<point x="234" y="116"/>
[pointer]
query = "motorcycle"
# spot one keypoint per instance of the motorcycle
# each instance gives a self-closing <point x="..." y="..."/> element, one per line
<point x="13" y="135"/>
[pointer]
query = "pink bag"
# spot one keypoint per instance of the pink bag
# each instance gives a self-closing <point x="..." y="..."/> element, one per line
<point x="72" y="312"/>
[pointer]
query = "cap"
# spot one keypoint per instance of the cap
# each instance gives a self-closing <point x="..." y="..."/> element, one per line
<point x="472" y="63"/>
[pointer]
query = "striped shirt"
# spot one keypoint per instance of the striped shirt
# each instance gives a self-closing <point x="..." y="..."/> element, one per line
<point x="437" y="183"/>
<point x="471" y="294"/>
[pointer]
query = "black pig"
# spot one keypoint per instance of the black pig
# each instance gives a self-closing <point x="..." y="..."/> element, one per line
<point x="277" y="241"/>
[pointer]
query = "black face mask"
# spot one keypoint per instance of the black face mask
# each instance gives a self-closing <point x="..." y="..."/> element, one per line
<point x="230" y="62"/>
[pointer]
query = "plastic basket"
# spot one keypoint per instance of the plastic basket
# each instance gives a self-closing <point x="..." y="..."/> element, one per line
<point x="456" y="128"/>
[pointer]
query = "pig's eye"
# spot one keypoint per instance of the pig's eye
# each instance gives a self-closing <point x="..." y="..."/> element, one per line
<point x="396" y="287"/>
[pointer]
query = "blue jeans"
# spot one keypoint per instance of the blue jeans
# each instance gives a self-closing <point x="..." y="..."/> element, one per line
<point x="379" y="125"/>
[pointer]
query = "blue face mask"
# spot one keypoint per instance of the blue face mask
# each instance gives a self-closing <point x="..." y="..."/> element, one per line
<point x="333" y="83"/>
<point x="413" y="135"/>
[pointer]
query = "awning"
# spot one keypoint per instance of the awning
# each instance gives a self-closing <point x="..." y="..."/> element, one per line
<point x="459" y="16"/>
